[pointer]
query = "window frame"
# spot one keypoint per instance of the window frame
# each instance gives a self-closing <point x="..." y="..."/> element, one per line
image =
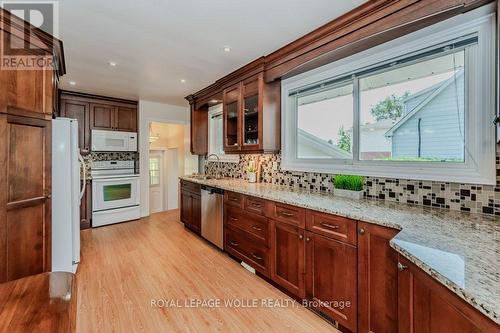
<point x="479" y="166"/>
<point x="214" y="111"/>
<point x="158" y="170"/>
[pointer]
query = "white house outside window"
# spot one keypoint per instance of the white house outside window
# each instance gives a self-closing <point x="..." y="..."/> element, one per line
<point x="419" y="107"/>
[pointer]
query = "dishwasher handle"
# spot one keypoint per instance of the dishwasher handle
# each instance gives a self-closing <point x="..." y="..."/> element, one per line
<point x="212" y="190"/>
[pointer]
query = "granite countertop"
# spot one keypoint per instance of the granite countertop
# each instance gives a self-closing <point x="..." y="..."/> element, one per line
<point x="460" y="250"/>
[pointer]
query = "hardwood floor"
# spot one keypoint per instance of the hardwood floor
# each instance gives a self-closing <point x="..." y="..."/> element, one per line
<point x="126" y="266"/>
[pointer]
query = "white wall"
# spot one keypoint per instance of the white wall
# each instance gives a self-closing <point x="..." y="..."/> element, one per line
<point x="149" y="112"/>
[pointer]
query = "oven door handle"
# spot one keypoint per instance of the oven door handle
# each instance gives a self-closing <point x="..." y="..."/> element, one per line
<point x="107" y="179"/>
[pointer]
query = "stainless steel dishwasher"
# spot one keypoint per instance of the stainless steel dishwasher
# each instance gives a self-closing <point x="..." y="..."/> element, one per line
<point x="211" y="215"/>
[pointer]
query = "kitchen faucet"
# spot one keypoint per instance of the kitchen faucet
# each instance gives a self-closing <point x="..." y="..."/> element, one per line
<point x="218" y="174"/>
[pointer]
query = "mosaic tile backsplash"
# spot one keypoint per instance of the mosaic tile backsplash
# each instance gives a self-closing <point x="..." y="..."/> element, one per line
<point x="484" y="199"/>
<point x="115" y="156"/>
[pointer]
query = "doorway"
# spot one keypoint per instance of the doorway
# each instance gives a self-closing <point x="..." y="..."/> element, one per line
<point x="168" y="158"/>
<point x="156" y="187"/>
<point x="163" y="179"/>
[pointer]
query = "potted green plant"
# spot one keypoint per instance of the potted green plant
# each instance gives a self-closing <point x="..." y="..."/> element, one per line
<point x="252" y="172"/>
<point x="348" y="186"/>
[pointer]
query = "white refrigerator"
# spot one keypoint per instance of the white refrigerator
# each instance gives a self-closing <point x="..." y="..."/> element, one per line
<point x="66" y="195"/>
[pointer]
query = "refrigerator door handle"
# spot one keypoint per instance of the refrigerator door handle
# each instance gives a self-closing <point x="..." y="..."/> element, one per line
<point x="82" y="166"/>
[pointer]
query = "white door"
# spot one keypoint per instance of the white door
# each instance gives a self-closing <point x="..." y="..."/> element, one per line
<point x="156" y="181"/>
<point x="172" y="168"/>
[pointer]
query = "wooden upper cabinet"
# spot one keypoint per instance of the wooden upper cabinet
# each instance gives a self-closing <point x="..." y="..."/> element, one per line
<point x="80" y="111"/>
<point x="377" y="280"/>
<point x="231" y="113"/>
<point x="331" y="278"/>
<point x="125" y="119"/>
<point x="427" y="306"/>
<point x="97" y="112"/>
<point x="288" y="257"/>
<point x="27" y="91"/>
<point x="199" y="131"/>
<point x="102" y="116"/>
<point x="251" y="118"/>
<point x="251" y="111"/>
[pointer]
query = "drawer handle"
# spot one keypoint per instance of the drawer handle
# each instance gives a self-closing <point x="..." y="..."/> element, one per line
<point x="257" y="205"/>
<point x="255" y="227"/>
<point x="256" y="256"/>
<point x="328" y="225"/>
<point x="233" y="243"/>
<point x="233" y="218"/>
<point x="234" y="199"/>
<point x="284" y="213"/>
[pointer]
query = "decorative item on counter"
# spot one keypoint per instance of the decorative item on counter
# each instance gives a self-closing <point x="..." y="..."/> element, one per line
<point x="348" y="186"/>
<point x="259" y="169"/>
<point x="252" y="172"/>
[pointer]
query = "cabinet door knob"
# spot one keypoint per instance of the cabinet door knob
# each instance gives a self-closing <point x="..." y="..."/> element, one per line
<point x="401" y="267"/>
<point x="308" y="239"/>
<point x="361" y="231"/>
<point x="301" y="236"/>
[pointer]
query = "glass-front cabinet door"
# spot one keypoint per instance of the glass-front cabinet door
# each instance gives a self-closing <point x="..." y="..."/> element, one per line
<point x="251" y="119"/>
<point x="231" y="112"/>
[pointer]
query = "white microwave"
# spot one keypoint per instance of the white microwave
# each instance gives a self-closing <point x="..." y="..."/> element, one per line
<point x="113" y="141"/>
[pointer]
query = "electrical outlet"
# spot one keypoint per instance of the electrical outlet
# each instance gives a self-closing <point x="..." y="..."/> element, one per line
<point x="275" y="166"/>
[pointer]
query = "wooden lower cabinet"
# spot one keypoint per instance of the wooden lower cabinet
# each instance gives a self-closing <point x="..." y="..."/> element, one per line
<point x="426" y="306"/>
<point x="288" y="257"/>
<point x="247" y="248"/>
<point x="331" y="279"/>
<point x="25" y="212"/>
<point x="344" y="269"/>
<point x="377" y="280"/>
<point x="196" y="214"/>
<point x="191" y="209"/>
<point x="86" y="207"/>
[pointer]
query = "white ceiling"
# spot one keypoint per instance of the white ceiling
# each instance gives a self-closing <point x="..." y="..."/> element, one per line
<point x="156" y="43"/>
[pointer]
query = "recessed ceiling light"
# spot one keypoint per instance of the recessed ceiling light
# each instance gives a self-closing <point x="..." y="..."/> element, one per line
<point x="227" y="49"/>
<point x="183" y="80"/>
<point x="112" y="63"/>
<point x="72" y="83"/>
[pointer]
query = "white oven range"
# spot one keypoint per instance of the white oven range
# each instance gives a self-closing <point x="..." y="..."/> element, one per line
<point x="115" y="192"/>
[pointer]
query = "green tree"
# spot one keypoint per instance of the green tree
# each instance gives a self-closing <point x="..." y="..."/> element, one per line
<point x="389" y="108"/>
<point x="344" y="140"/>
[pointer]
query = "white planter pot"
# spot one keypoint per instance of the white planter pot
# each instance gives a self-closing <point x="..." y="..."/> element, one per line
<point x="252" y="177"/>
<point x="348" y="194"/>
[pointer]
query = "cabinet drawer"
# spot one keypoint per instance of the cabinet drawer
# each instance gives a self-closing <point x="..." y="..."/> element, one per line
<point x="244" y="247"/>
<point x="190" y="187"/>
<point x="233" y="199"/>
<point x="248" y="222"/>
<point x="255" y="205"/>
<point x="332" y="226"/>
<point x="286" y="213"/>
